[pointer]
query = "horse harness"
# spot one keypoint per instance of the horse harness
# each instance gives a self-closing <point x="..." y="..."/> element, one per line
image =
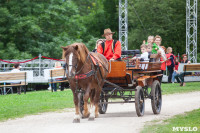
<point x="90" y="73"/>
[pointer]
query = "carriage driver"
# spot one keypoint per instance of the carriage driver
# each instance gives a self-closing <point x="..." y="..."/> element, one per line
<point x="111" y="49"/>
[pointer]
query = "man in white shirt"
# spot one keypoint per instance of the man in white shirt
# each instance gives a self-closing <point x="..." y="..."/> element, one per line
<point x="16" y="69"/>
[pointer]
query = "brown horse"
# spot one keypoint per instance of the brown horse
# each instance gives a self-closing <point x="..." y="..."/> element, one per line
<point x="83" y="74"/>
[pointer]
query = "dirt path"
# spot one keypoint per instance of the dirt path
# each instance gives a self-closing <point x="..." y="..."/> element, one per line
<point x="120" y="118"/>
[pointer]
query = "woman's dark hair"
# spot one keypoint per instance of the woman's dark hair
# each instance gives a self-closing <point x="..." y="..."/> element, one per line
<point x="176" y="61"/>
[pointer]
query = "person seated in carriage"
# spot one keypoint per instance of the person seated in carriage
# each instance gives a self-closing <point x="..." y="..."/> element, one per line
<point x="111" y="48"/>
<point x="144" y="57"/>
<point x="98" y="42"/>
<point x="150" y="41"/>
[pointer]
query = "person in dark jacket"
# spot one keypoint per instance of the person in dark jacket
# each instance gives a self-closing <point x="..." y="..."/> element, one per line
<point x="180" y="77"/>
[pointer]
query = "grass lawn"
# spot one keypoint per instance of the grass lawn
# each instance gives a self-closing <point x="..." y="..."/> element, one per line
<point x="176" y="88"/>
<point x="189" y="119"/>
<point x="13" y="105"/>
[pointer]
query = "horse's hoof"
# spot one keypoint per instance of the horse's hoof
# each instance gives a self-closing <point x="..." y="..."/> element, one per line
<point x="96" y="116"/>
<point x="76" y="121"/>
<point x="91" y="119"/>
<point x="86" y="115"/>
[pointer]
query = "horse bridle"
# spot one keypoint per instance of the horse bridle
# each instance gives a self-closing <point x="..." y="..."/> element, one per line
<point x="67" y="66"/>
<point x="75" y="66"/>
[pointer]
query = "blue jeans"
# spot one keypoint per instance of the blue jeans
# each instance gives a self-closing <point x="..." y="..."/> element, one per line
<point x="173" y="76"/>
<point x="54" y="86"/>
<point x="180" y="77"/>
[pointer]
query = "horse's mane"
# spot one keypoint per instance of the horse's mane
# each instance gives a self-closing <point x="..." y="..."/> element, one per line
<point x="81" y="50"/>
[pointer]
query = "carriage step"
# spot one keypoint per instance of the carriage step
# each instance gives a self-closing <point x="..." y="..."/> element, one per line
<point x="116" y="86"/>
<point x="117" y="102"/>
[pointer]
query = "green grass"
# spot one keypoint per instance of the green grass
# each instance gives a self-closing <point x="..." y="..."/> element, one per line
<point x="12" y="106"/>
<point x="189" y="119"/>
<point x="176" y="88"/>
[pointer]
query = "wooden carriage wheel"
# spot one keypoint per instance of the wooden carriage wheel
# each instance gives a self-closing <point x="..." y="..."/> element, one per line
<point x="139" y="101"/>
<point x="103" y="106"/>
<point x="156" y="97"/>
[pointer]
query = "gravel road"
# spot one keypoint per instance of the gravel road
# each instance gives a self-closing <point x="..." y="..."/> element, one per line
<point x="120" y="118"/>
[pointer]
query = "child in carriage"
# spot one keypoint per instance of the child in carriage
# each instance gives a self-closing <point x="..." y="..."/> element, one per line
<point x="150" y="42"/>
<point x="144" y="57"/>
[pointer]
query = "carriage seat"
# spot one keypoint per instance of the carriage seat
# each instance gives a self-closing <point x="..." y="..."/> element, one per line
<point x="118" y="74"/>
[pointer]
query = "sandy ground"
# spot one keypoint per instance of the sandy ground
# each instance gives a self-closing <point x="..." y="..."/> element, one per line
<point x="120" y="118"/>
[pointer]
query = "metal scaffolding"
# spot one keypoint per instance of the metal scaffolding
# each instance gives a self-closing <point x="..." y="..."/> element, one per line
<point x="191" y="30"/>
<point x="123" y="24"/>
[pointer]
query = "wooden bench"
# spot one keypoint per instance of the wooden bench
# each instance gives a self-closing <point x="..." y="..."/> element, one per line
<point x="191" y="68"/>
<point x="14" y="79"/>
<point x="194" y="67"/>
<point x="55" y="76"/>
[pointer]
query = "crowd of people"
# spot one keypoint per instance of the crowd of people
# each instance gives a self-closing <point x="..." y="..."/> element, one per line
<point x="111" y="49"/>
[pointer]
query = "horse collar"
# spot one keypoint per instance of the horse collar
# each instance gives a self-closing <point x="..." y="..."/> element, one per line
<point x="86" y="75"/>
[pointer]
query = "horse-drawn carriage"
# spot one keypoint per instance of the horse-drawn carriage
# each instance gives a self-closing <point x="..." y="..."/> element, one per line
<point x="132" y="83"/>
<point x="92" y="77"/>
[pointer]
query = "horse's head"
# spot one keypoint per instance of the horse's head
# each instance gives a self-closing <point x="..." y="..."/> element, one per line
<point x="74" y="56"/>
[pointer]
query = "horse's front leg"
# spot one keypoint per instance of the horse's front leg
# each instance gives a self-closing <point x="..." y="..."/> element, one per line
<point x="96" y="101"/>
<point x="94" y="110"/>
<point x="76" y="100"/>
<point x="86" y="113"/>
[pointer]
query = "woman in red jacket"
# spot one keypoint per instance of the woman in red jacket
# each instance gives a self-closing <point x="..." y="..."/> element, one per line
<point x="170" y="63"/>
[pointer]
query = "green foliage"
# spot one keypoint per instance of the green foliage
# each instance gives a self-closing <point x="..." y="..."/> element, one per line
<point x="164" y="18"/>
<point x="104" y="15"/>
<point x="33" y="27"/>
<point x="29" y="28"/>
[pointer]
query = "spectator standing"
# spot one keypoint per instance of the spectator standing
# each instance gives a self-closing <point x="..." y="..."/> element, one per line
<point x="176" y="64"/>
<point x="170" y="63"/>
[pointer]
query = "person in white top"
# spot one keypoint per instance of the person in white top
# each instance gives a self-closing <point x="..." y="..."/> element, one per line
<point x="16" y="69"/>
<point x="144" y="57"/>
